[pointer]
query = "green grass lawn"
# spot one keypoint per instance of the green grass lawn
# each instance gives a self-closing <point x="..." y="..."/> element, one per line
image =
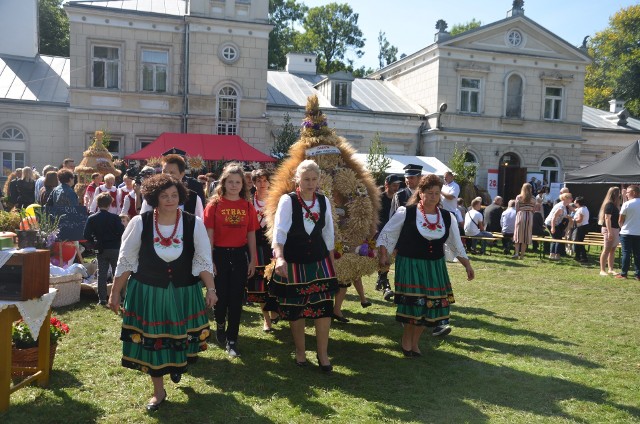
<point x="532" y="341"/>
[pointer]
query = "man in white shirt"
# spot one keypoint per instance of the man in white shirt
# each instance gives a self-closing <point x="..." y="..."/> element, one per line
<point x="629" y="221"/>
<point x="508" y="226"/>
<point x="474" y="225"/>
<point x="449" y="195"/>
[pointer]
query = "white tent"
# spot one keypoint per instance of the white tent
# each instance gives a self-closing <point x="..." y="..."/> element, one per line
<point x="430" y="165"/>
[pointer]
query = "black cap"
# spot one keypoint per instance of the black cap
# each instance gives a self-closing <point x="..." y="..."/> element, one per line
<point x="393" y="178"/>
<point x="247" y="168"/>
<point x="412" y="170"/>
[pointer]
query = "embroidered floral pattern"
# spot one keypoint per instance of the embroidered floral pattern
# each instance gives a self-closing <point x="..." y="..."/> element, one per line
<point x="312" y="216"/>
<point x="313" y="288"/>
<point x="175" y="242"/>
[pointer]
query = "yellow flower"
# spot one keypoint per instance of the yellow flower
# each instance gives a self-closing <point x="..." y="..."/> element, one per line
<point x="135" y="337"/>
<point x="204" y="334"/>
<point x="429" y="304"/>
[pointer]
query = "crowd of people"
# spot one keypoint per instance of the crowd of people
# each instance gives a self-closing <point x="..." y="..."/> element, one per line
<point x="165" y="238"/>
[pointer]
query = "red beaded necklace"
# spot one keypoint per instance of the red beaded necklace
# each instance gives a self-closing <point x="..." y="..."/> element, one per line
<point x="430" y="225"/>
<point x="313" y="216"/>
<point x="166" y="241"/>
<point x="257" y="201"/>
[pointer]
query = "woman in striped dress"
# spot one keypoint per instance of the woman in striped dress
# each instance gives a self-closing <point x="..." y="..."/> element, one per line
<point x="525" y="206"/>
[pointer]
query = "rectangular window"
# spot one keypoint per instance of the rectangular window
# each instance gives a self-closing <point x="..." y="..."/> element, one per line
<point x="553" y="103"/>
<point x="470" y="95"/>
<point x="227" y="129"/>
<point x="11" y="161"/>
<point x="341" y="94"/>
<point x="105" y="67"/>
<point x="154" y="70"/>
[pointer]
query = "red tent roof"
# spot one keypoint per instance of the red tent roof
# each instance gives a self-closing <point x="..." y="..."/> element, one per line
<point x="209" y="146"/>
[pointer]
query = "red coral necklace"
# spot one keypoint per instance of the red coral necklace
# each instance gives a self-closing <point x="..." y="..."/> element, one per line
<point x="166" y="241"/>
<point x="257" y="201"/>
<point x="313" y="216"/>
<point x="430" y="225"/>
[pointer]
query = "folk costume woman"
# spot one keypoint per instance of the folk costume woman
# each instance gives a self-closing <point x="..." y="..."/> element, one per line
<point x="257" y="290"/>
<point x="423" y="291"/>
<point x="305" y="281"/>
<point x="164" y="257"/>
<point x="231" y="223"/>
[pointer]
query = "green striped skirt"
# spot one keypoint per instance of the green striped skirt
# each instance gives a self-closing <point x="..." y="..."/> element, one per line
<point x="308" y="291"/>
<point x="422" y="291"/>
<point x="162" y="329"/>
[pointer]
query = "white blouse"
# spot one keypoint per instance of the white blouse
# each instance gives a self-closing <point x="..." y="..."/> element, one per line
<point x="103" y="189"/>
<point x="126" y="203"/>
<point x="391" y="233"/>
<point x="283" y="221"/>
<point x="260" y="212"/>
<point x="131" y="241"/>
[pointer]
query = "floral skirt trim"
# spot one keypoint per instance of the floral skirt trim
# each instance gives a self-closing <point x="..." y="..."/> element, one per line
<point x="423" y="292"/>
<point x="162" y="329"/>
<point x="307" y="293"/>
<point x="257" y="287"/>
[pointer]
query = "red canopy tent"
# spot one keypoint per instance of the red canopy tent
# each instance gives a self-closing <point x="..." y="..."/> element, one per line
<point x="209" y="146"/>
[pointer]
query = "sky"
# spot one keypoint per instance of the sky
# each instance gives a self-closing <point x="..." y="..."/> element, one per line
<point x="410" y="24"/>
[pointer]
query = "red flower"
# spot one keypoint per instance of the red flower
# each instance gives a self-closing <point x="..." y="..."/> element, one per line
<point x="158" y="344"/>
<point x="54" y="321"/>
<point x="165" y="242"/>
<point x="176" y="241"/>
<point x="156" y="239"/>
<point x="65" y="328"/>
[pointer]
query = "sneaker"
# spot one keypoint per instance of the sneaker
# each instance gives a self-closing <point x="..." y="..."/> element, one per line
<point x="232" y="349"/>
<point x="441" y="330"/>
<point x="221" y="334"/>
<point x="388" y="295"/>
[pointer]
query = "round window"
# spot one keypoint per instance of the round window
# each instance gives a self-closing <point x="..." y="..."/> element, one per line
<point x="514" y="38"/>
<point x="229" y="53"/>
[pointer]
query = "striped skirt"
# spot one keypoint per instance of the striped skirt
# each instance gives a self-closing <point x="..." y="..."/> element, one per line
<point x="162" y="329"/>
<point x="257" y="290"/>
<point x="422" y="291"/>
<point x="308" y="291"/>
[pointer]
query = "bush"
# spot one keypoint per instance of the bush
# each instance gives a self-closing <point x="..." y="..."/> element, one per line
<point x="9" y="221"/>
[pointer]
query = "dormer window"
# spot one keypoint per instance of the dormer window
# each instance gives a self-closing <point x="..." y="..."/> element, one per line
<point x="341" y="94"/>
<point x="337" y="88"/>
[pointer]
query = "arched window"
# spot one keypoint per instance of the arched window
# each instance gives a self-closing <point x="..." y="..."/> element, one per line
<point x="227" y="105"/>
<point x="551" y="169"/>
<point x="12" y="134"/>
<point x="514" y="97"/>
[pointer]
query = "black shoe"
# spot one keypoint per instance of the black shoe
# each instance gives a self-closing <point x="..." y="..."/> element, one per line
<point x="340" y="319"/>
<point x="382" y="283"/>
<point x="406" y="353"/>
<point x="388" y="295"/>
<point x="441" y="330"/>
<point x="176" y="377"/>
<point x="232" y="349"/>
<point x="221" y="334"/>
<point x="301" y="363"/>
<point x="416" y="354"/>
<point x="102" y="303"/>
<point x="365" y="304"/>
<point x="151" y="406"/>
<point x="324" y="368"/>
<point x="275" y="320"/>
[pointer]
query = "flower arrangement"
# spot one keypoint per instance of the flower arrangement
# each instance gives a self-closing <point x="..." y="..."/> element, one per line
<point x="22" y="338"/>
<point x="46" y="226"/>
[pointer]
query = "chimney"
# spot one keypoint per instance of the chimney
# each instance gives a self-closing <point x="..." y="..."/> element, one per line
<point x="19" y="28"/>
<point x="616" y="105"/>
<point x="301" y="63"/>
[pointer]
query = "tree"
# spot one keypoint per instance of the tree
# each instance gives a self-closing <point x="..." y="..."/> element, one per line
<point x="283" y="15"/>
<point x="465" y="173"/>
<point x="616" y="62"/>
<point x="331" y="31"/>
<point x="287" y="135"/>
<point x="386" y="52"/>
<point x="53" y="28"/>
<point x="377" y="161"/>
<point x="468" y="26"/>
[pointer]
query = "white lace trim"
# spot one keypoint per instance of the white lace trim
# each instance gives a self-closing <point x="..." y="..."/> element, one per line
<point x="126" y="263"/>
<point x="200" y="263"/>
<point x="33" y="311"/>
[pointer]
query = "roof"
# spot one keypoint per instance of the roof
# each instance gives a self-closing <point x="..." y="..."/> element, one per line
<point x="292" y="90"/>
<point x="623" y="167"/>
<point x="43" y="79"/>
<point x="210" y="147"/>
<point x="430" y="165"/>
<point x="164" y="7"/>
<point x="604" y="120"/>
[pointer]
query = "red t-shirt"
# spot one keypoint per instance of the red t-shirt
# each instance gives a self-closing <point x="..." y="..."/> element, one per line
<point x="231" y="220"/>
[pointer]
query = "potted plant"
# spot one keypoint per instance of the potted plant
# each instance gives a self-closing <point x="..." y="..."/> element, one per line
<point x="37" y="230"/>
<point x="25" y="349"/>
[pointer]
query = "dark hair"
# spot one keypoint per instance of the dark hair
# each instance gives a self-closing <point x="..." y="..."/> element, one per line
<point x="634" y="188"/>
<point x="259" y="173"/>
<point x="67" y="160"/>
<point x="579" y="200"/>
<point x="50" y="179"/>
<point x="94" y="175"/>
<point x="426" y="182"/>
<point x="104" y="200"/>
<point x="177" y="160"/>
<point x="64" y="176"/>
<point x="153" y="186"/>
<point x="221" y="190"/>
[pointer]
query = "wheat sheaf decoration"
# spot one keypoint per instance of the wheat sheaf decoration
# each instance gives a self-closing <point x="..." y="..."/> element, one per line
<point x="344" y="180"/>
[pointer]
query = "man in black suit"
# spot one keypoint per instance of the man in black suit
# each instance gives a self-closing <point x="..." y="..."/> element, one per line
<point x="492" y="215"/>
<point x="412" y="174"/>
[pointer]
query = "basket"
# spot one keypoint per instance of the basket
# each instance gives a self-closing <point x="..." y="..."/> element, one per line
<point x="68" y="289"/>
<point x="29" y="358"/>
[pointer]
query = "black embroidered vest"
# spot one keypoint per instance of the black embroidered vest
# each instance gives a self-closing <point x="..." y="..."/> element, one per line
<point x="412" y="245"/>
<point x="152" y="270"/>
<point x="300" y="247"/>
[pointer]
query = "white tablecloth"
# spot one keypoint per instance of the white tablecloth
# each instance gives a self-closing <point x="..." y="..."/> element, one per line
<point x="33" y="311"/>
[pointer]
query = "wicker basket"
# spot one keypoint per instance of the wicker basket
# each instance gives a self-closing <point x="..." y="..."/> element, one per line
<point x="29" y="358"/>
<point x="68" y="289"/>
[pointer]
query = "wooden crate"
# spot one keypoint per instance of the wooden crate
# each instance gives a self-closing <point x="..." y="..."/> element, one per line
<point x="25" y="276"/>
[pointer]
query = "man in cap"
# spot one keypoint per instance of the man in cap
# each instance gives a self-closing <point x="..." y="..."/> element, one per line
<point x="391" y="187"/>
<point x="412" y="174"/>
